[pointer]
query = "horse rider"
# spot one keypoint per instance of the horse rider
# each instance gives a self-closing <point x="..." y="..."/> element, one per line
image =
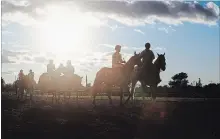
<point x="147" y="55"/>
<point x="147" y="59"/>
<point x="21" y="75"/>
<point x="117" y="61"/>
<point x="61" y="68"/>
<point x="50" y="68"/>
<point x="31" y="75"/>
<point x="69" y="68"/>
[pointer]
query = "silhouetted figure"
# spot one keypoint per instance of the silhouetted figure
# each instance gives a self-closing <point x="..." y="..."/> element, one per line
<point x="50" y="69"/>
<point x="31" y="75"/>
<point x="21" y="75"/>
<point x="69" y="68"/>
<point x="117" y="62"/>
<point x="147" y="56"/>
<point x="50" y="66"/>
<point x="116" y="57"/>
<point x="61" y="68"/>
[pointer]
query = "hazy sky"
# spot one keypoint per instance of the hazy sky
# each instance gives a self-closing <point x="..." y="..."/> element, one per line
<point x="34" y="31"/>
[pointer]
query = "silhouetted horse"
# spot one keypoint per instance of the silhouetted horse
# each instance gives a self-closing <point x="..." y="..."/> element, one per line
<point x="57" y="83"/>
<point x="48" y="84"/>
<point x="24" y="85"/>
<point x="110" y="77"/>
<point x="150" y="78"/>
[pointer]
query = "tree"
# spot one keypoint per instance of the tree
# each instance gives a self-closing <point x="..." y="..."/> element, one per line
<point x="179" y="80"/>
<point x="199" y="84"/>
<point x="2" y="82"/>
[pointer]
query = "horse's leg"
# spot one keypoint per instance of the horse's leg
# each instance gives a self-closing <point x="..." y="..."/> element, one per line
<point x="69" y="95"/>
<point x="133" y="83"/>
<point x="94" y="93"/>
<point x="17" y="93"/>
<point x="153" y="92"/>
<point x="109" y="95"/>
<point x="31" y="93"/>
<point x="26" y="93"/>
<point x="22" y="93"/>
<point x="121" y="96"/>
<point x="132" y="94"/>
<point x="95" y="90"/>
<point x="144" y="87"/>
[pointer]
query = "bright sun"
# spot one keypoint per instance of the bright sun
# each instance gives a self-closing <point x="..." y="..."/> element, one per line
<point x="63" y="31"/>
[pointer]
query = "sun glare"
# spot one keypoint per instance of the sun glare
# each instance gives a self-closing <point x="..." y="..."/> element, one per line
<point x="63" y="31"/>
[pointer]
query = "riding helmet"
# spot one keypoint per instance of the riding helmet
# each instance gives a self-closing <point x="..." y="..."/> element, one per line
<point x="117" y="47"/>
<point x="147" y="45"/>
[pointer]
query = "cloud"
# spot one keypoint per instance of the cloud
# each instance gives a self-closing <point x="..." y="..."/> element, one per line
<point x="107" y="45"/>
<point x="163" y="29"/>
<point x="139" y="31"/>
<point x="15" y="54"/>
<point x="159" y="48"/>
<point x="40" y="59"/>
<point x="12" y="56"/>
<point x="167" y="29"/>
<point x="27" y="58"/>
<point x="113" y="28"/>
<point x="5" y="59"/>
<point x="171" y="12"/>
<point x="5" y="32"/>
<point x="128" y="13"/>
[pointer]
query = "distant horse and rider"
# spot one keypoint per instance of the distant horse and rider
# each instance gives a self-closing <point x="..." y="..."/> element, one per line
<point x="59" y="80"/>
<point x="123" y="74"/>
<point x="24" y="83"/>
<point x="53" y="81"/>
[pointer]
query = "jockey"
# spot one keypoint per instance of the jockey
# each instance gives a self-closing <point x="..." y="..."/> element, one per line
<point x="147" y="55"/>
<point x="116" y="57"/>
<point x="69" y="68"/>
<point x="50" y="66"/>
<point x="31" y="75"/>
<point x="20" y="75"/>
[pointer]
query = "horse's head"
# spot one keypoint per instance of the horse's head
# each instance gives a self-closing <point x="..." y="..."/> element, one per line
<point x="134" y="60"/>
<point x="137" y="60"/>
<point x="161" y="61"/>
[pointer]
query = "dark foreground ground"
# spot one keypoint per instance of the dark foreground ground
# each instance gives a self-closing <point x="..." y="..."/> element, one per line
<point x="164" y="120"/>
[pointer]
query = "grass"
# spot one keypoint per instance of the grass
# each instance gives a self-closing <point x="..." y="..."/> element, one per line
<point x="165" y="119"/>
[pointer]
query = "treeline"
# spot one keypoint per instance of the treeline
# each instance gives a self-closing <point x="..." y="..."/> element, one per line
<point x="178" y="86"/>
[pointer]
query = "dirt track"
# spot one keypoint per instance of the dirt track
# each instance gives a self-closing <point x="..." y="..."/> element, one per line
<point x="162" y="120"/>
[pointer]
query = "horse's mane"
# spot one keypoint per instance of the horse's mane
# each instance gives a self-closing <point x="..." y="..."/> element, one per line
<point x="156" y="60"/>
<point x="129" y="61"/>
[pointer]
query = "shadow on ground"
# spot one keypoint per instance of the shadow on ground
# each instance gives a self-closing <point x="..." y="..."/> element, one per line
<point x="177" y="120"/>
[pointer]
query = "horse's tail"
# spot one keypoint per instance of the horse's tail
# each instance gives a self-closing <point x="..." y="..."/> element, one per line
<point x="97" y="83"/>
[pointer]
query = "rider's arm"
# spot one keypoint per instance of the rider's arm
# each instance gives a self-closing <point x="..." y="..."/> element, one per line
<point x="113" y="59"/>
<point x="153" y="56"/>
<point x="141" y="55"/>
<point x="120" y="58"/>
